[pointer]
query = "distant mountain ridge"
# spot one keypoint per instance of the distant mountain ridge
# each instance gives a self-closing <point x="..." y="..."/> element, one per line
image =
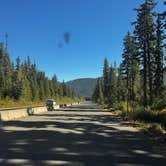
<point x="83" y="86"/>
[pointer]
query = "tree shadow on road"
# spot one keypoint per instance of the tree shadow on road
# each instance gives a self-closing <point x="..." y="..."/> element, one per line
<point x="72" y="139"/>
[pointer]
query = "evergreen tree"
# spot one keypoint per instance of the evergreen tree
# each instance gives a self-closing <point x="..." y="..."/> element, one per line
<point x="100" y="91"/>
<point x="1" y="71"/>
<point x="112" y="86"/>
<point x="106" y="72"/>
<point x="33" y="82"/>
<point x="41" y="91"/>
<point x="51" y="89"/>
<point x="16" y="81"/>
<point x="159" y="55"/>
<point x="46" y="88"/>
<point x="145" y="34"/>
<point x="128" y="64"/>
<point x="140" y="76"/>
<point x="120" y="85"/>
<point x="95" y="95"/>
<point x="137" y="93"/>
<point x="25" y="82"/>
<point x="6" y="73"/>
<point x="60" y="90"/>
<point x="40" y="81"/>
<point x="55" y="86"/>
<point x="64" y="89"/>
<point x="26" y="90"/>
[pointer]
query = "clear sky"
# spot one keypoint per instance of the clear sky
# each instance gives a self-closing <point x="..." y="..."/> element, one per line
<point x="97" y="29"/>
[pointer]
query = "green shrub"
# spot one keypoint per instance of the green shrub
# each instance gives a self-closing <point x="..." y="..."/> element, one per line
<point x="155" y="128"/>
<point x="149" y="117"/>
<point x="158" y="104"/>
<point x="118" y="106"/>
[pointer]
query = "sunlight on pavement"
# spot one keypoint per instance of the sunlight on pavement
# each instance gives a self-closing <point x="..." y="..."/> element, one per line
<point x="59" y="162"/>
<point x="18" y="161"/>
<point x="75" y="137"/>
<point x="59" y="149"/>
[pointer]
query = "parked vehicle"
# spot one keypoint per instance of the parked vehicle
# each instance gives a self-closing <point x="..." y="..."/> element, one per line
<point x="50" y="104"/>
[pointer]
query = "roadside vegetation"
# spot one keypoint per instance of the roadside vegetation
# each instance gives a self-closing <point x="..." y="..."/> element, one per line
<point x="22" y="84"/>
<point x="136" y="87"/>
<point x="20" y="103"/>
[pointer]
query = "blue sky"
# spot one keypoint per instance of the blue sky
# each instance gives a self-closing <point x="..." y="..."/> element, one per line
<point x="97" y="28"/>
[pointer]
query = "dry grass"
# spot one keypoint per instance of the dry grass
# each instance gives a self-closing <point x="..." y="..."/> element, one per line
<point x="149" y="119"/>
<point x="11" y="103"/>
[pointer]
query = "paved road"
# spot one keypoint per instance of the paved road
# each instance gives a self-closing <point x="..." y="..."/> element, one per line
<point x="82" y="135"/>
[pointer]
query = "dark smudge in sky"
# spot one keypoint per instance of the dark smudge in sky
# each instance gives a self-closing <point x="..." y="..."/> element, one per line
<point x="67" y="37"/>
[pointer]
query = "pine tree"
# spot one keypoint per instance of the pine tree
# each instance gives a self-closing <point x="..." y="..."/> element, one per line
<point x="40" y="81"/>
<point x="51" y="89"/>
<point x="126" y="63"/>
<point x="100" y="92"/>
<point x="64" y="87"/>
<point x="159" y="55"/>
<point x="112" y="87"/>
<point x="60" y="90"/>
<point x="16" y="81"/>
<point x="1" y="71"/>
<point x="46" y="88"/>
<point x="55" y="86"/>
<point x="144" y="31"/>
<point x="24" y="81"/>
<point x="106" y="72"/>
<point x="41" y="91"/>
<point x="95" y="95"/>
<point x="7" y="70"/>
<point x="26" y="90"/>
<point x="121" y="89"/>
<point x="137" y="85"/>
<point x="130" y="67"/>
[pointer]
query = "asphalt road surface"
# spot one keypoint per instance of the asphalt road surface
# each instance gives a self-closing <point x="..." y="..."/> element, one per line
<point x="82" y="135"/>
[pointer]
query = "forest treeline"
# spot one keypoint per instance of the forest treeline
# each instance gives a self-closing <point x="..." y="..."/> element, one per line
<point x="137" y="83"/>
<point x="22" y="81"/>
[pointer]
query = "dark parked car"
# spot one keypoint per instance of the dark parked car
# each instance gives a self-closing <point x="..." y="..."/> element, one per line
<point x="50" y="104"/>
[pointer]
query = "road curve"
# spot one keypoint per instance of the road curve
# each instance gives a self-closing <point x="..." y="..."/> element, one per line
<point x="82" y="135"/>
